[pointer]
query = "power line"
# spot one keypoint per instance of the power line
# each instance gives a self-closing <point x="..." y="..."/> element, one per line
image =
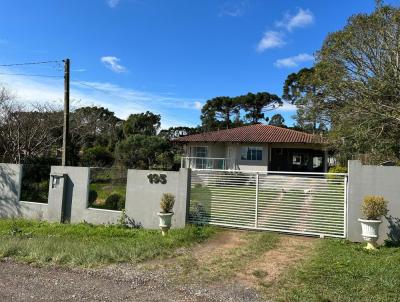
<point x="92" y="87"/>
<point x="31" y="75"/>
<point x="31" y="63"/>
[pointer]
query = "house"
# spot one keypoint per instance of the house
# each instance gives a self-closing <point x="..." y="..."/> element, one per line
<point x="256" y="147"/>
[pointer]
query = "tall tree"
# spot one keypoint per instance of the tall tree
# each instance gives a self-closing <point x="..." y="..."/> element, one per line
<point x="306" y="90"/>
<point x="225" y="112"/>
<point x="255" y="105"/>
<point x="28" y="133"/>
<point x="175" y="132"/>
<point x="94" y="126"/>
<point x="146" y="123"/>
<point x="361" y="66"/>
<point x="140" y="151"/>
<point x="277" y="120"/>
<point x="220" y="112"/>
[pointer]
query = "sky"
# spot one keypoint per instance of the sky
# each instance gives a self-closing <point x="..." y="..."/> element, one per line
<point x="168" y="57"/>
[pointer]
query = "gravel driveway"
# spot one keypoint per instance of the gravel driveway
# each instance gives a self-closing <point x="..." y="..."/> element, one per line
<point x="22" y="282"/>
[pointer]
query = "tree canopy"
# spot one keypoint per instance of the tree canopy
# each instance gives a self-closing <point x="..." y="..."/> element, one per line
<point x="277" y="120"/>
<point x="360" y="67"/>
<point x="146" y="123"/>
<point x="143" y="152"/>
<point x="305" y="89"/>
<point x="225" y="112"/>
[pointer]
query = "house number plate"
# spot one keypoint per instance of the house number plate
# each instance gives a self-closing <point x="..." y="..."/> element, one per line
<point x="157" y="178"/>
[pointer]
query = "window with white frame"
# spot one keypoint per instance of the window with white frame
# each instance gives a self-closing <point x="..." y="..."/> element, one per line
<point x="296" y="159"/>
<point x="200" y="151"/>
<point x="251" y="153"/>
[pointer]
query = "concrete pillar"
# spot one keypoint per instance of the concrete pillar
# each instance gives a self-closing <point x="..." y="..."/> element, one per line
<point x="143" y="196"/>
<point x="56" y="203"/>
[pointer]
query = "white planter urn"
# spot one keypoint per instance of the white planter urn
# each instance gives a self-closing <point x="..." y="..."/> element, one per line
<point x="370" y="232"/>
<point x="165" y="221"/>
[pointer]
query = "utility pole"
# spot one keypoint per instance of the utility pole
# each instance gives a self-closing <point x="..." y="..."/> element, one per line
<point x="66" y="147"/>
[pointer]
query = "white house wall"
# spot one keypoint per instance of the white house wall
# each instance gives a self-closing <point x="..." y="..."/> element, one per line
<point x="221" y="150"/>
<point x="215" y="150"/>
<point x="251" y="165"/>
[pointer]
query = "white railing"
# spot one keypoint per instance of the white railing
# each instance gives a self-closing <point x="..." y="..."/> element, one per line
<point x="207" y="163"/>
<point x="302" y="203"/>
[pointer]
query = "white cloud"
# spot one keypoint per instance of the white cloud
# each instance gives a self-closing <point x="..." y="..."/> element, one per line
<point x="286" y="107"/>
<point x="303" y="18"/>
<point x="293" y="61"/>
<point x="112" y="63"/>
<point x="113" y="3"/>
<point x="198" y="105"/>
<point x="271" y="39"/>
<point x="122" y="101"/>
<point x="233" y="8"/>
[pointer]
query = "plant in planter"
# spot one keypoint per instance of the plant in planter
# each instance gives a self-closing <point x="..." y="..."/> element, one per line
<point x="166" y="204"/>
<point x="373" y="207"/>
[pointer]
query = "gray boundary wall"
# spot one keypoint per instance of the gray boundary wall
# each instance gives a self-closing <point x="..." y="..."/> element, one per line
<point x="69" y="192"/>
<point x="373" y="180"/>
<point x="10" y="189"/>
<point x="143" y="197"/>
<point x="76" y="196"/>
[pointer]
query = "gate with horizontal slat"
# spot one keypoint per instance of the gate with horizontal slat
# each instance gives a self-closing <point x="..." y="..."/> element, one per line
<point x="302" y="203"/>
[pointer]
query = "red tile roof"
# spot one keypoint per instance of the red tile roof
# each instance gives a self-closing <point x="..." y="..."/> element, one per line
<point x="258" y="133"/>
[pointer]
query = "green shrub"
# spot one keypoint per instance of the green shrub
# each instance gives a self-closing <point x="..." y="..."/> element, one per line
<point x="35" y="183"/>
<point x="373" y="207"/>
<point x="115" y="202"/>
<point x="167" y="202"/>
<point x="92" y="196"/>
<point x="338" y="169"/>
<point x="97" y="156"/>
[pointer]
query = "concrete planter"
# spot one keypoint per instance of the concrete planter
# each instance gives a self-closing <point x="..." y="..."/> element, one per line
<point x="370" y="232"/>
<point x="165" y="221"/>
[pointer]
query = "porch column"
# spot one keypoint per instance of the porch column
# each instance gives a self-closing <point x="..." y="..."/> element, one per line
<point x="325" y="160"/>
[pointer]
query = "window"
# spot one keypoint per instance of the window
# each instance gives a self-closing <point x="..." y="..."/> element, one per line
<point x="296" y="159"/>
<point x="251" y="153"/>
<point x="200" y="151"/>
<point x="317" y="162"/>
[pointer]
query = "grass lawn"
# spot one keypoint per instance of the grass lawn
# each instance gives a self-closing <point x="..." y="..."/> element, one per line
<point x="342" y="271"/>
<point x="104" y="190"/>
<point x="105" y="182"/>
<point x="88" y="245"/>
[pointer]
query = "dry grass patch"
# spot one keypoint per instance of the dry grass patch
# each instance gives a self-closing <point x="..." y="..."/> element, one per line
<point x="268" y="268"/>
<point x="225" y="255"/>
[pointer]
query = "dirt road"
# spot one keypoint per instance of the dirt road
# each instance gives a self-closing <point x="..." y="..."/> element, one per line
<point x="22" y="282"/>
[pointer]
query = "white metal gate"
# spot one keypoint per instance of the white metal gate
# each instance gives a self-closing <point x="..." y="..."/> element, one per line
<point x="303" y="203"/>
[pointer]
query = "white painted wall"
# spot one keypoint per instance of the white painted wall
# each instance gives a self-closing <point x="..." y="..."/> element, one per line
<point x="250" y="165"/>
<point x="233" y="152"/>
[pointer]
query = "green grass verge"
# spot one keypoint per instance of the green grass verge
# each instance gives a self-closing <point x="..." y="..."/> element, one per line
<point x="343" y="271"/>
<point x="88" y="245"/>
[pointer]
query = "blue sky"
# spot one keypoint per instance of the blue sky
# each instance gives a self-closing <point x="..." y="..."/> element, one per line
<point x="168" y="57"/>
